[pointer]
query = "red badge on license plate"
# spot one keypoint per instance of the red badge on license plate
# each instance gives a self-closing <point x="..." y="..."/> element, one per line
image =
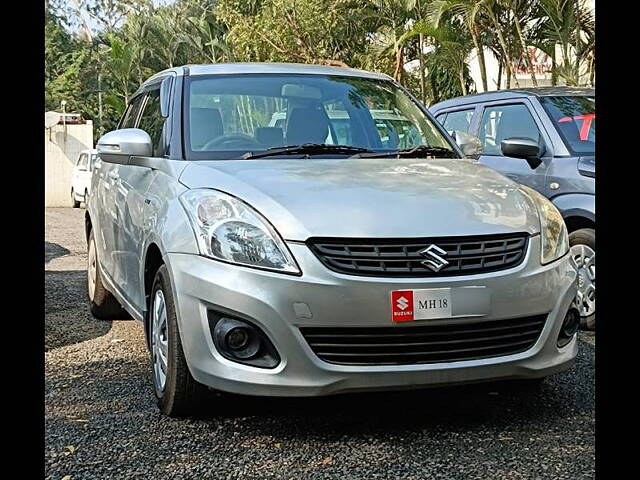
<point x="402" y="306"/>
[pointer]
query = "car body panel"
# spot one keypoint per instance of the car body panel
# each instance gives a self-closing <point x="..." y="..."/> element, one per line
<point x="379" y="197"/>
<point x="333" y="298"/>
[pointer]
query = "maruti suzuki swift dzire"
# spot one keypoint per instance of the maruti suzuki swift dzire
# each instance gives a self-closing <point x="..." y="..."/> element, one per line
<point x="301" y="230"/>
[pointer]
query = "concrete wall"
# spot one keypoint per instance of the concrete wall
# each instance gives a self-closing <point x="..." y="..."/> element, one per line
<point x="60" y="154"/>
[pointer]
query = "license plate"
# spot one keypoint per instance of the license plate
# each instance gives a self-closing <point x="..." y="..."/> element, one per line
<point x="424" y="304"/>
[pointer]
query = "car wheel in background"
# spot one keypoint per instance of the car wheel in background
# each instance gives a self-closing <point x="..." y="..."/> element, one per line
<point x="104" y="305"/>
<point x="86" y="198"/>
<point x="583" y="253"/>
<point x="177" y="392"/>
<point x="74" y="202"/>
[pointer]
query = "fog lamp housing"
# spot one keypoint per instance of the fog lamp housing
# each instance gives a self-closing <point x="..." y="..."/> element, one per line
<point x="569" y="328"/>
<point x="241" y="341"/>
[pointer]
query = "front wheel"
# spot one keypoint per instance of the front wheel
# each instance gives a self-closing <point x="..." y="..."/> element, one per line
<point x="177" y="393"/>
<point x="583" y="253"/>
<point x="74" y="203"/>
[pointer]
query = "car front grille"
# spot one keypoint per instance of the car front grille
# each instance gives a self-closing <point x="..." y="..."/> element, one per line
<point x="403" y="257"/>
<point x="401" y="345"/>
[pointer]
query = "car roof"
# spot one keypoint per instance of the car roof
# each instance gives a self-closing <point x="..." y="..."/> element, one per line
<point x="267" y="67"/>
<point x="514" y="93"/>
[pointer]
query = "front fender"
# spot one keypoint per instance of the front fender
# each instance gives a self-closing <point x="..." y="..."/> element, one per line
<point x="576" y="205"/>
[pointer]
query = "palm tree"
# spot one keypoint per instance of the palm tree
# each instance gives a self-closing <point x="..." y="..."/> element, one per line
<point x="450" y="47"/>
<point x="469" y="11"/>
<point x="522" y="13"/>
<point x="570" y="24"/>
<point x="389" y="19"/>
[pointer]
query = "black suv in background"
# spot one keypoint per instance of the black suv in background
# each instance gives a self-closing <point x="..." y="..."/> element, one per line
<point x="554" y="130"/>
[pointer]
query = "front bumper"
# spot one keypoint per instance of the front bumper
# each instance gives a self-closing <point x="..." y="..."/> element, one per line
<point x="280" y="304"/>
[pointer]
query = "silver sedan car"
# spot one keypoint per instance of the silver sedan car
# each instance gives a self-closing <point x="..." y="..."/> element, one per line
<point x="349" y="247"/>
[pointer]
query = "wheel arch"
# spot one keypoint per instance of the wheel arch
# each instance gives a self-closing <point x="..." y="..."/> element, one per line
<point x="576" y="222"/>
<point x="153" y="260"/>
<point x="577" y="209"/>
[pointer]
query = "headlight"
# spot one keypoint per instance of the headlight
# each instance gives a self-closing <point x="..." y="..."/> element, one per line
<point x="228" y="229"/>
<point x="553" y="231"/>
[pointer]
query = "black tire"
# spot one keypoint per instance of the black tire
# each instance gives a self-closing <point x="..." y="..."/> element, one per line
<point x="104" y="305"/>
<point x="181" y="396"/>
<point x="85" y="199"/>
<point x="585" y="236"/>
<point x="74" y="202"/>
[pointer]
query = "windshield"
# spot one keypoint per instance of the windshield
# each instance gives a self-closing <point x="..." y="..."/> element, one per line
<point x="575" y="119"/>
<point x="230" y="115"/>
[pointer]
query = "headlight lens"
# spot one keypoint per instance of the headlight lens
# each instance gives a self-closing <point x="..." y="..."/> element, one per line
<point x="228" y="229"/>
<point x="553" y="231"/>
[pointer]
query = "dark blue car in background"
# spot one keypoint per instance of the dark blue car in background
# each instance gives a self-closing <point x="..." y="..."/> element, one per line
<point x="554" y="130"/>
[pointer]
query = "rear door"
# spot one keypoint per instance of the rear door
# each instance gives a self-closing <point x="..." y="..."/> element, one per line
<point x="508" y="119"/>
<point x="457" y="119"/>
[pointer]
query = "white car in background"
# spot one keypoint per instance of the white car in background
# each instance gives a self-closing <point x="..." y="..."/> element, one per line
<point x="81" y="179"/>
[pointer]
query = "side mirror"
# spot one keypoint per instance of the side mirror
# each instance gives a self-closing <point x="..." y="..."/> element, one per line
<point x="119" y="146"/>
<point x="470" y="145"/>
<point x="525" y="148"/>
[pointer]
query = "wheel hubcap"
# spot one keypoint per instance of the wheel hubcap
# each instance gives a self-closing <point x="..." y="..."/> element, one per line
<point x="92" y="270"/>
<point x="584" y="258"/>
<point x="159" y="340"/>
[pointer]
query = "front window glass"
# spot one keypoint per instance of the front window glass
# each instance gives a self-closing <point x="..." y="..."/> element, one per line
<point x="575" y="119"/>
<point x="500" y="122"/>
<point x="131" y="114"/>
<point x="82" y="161"/>
<point x="229" y="115"/>
<point x="152" y="121"/>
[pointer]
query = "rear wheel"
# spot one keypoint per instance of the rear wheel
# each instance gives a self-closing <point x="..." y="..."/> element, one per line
<point x="74" y="202"/>
<point x="583" y="253"/>
<point x="104" y="305"/>
<point x="177" y="392"/>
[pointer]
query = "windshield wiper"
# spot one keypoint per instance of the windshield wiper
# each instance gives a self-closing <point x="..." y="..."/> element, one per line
<point x="307" y="149"/>
<point x="419" y="151"/>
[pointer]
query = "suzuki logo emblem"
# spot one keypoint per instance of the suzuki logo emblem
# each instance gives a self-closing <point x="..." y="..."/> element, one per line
<point x="434" y="257"/>
<point x="402" y="303"/>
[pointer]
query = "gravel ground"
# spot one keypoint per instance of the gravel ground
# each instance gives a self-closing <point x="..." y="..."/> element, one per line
<point x="101" y="420"/>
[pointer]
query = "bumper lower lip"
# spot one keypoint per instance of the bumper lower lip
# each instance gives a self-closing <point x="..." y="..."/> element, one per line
<point x="273" y="301"/>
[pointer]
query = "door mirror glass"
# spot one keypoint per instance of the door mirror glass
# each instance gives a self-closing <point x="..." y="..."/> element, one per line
<point x="119" y="146"/>
<point x="470" y="145"/>
<point x="526" y="148"/>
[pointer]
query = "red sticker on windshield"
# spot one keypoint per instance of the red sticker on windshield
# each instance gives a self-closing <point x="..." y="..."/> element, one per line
<point x="587" y="118"/>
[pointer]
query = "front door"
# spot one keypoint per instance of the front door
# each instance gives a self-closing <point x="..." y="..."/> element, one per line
<point x="134" y="183"/>
<point x="500" y="121"/>
<point x="107" y="210"/>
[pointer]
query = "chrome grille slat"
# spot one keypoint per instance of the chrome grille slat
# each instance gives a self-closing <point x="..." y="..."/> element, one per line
<point x="402" y="257"/>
